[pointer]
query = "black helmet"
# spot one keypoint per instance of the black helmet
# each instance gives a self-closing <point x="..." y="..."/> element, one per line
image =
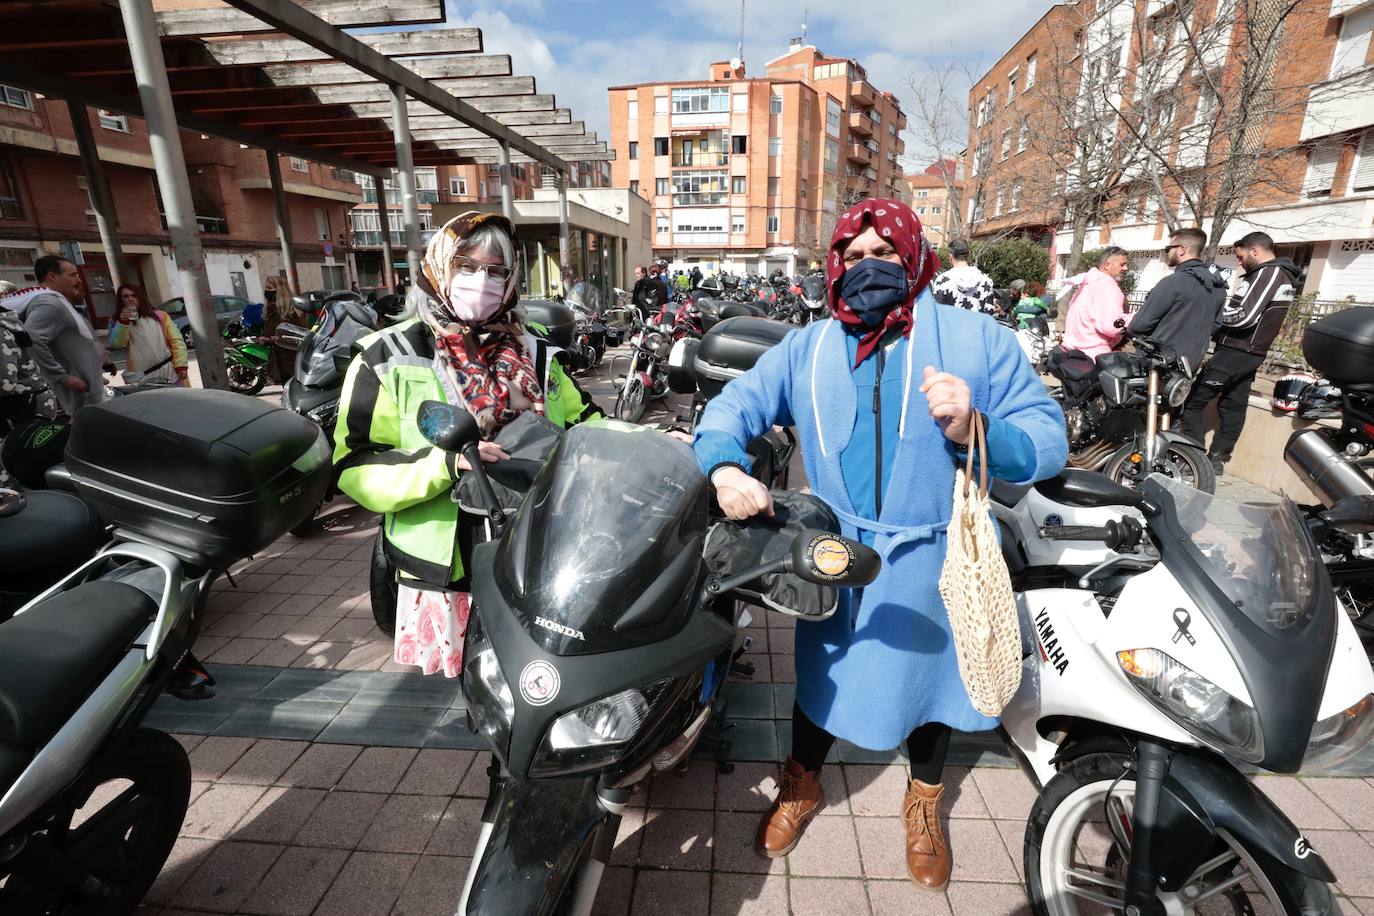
<point x="1321" y="401"/>
<point x="1288" y="389"/>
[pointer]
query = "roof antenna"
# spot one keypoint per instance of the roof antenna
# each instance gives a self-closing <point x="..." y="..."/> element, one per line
<point x="741" y="31"/>
<point x="805" y="13"/>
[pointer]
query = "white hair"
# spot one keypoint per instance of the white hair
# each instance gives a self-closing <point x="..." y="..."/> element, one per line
<point x="489" y="239"/>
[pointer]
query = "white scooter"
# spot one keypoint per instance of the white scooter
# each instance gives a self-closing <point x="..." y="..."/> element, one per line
<point x="1171" y="637"/>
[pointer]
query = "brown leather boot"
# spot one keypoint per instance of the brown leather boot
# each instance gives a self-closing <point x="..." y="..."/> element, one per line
<point x="799" y="800"/>
<point x="927" y="852"/>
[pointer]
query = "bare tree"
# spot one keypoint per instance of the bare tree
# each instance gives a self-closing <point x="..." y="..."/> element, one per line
<point x="939" y="124"/>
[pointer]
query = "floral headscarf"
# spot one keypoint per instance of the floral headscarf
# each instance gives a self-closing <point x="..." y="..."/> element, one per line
<point x="898" y="225"/>
<point x="489" y="364"/>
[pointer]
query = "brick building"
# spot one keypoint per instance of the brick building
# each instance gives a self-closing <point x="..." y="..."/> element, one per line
<point x="929" y="195"/>
<point x="44" y="204"/>
<point x="748" y="174"/>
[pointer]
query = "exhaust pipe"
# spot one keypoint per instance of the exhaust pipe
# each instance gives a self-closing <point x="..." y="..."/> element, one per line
<point x="1313" y="457"/>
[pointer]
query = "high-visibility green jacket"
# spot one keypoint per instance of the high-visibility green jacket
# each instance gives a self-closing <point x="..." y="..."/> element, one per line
<point x="389" y="467"/>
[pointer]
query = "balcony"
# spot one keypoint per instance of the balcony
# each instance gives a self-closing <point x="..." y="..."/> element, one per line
<point x="861" y="123"/>
<point x="1340" y="104"/>
<point x="700" y="198"/>
<point x="700" y="160"/>
<point x="857" y="152"/>
<point x="901" y="121"/>
<point x="862" y="94"/>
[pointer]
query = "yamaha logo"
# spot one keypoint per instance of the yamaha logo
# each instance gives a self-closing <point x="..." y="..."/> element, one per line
<point x="559" y="628"/>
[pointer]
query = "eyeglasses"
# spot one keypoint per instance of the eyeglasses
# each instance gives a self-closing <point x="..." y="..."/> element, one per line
<point x="1169" y="248"/>
<point x="467" y="267"/>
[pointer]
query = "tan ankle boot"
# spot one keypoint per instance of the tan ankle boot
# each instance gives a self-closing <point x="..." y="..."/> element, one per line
<point x="799" y="800"/>
<point x="927" y="853"/>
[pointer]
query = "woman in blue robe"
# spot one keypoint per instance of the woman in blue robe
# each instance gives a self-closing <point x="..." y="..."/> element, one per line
<point x="881" y="396"/>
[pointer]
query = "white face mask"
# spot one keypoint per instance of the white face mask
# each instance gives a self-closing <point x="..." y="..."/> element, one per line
<point x="475" y="297"/>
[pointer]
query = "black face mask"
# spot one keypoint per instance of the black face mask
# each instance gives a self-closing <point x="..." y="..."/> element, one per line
<point x="873" y="288"/>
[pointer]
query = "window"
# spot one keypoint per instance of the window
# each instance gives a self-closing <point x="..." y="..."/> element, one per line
<point x="1206" y="104"/>
<point x="660" y="146"/>
<point x="832" y="117"/>
<point x="992" y="101"/>
<point x="737" y="184"/>
<point x="830" y="71"/>
<point x="982" y="112"/>
<point x="923" y="193"/>
<point x="1321" y="169"/>
<point x="660" y="104"/>
<point x="832" y="155"/>
<point x="660" y="186"/>
<point x="634" y="187"/>
<point x="1352" y="47"/>
<point x="1001" y="196"/>
<point x="110" y="121"/>
<point x="1362" y="176"/>
<point x="427" y="185"/>
<point x="739" y="144"/>
<point x="1012" y="80"/>
<point x="740" y="102"/>
<point x="10" y="206"/>
<point x="299" y="165"/>
<point x="633" y="110"/>
<point x="458" y="187"/>
<point x="773" y="222"/>
<point x="773" y="187"/>
<point x="1024" y="137"/>
<point x="1006" y="143"/>
<point x="705" y="98"/>
<point x="662" y="224"/>
<point x="1030" y="72"/>
<point x="737" y="223"/>
<point x="634" y="149"/>
<point x="15" y="97"/>
<point x="775" y="146"/>
<point x="322" y="224"/>
<point x="920" y="211"/>
<point x="1016" y="195"/>
<point x="700" y="188"/>
<point x="775" y="104"/>
<point x="934" y="211"/>
<point x="806" y="151"/>
<point x="802" y="192"/>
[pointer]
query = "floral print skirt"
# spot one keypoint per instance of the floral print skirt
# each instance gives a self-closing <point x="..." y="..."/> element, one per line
<point x="430" y="625"/>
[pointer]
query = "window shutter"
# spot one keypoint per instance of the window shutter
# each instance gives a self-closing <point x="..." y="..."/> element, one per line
<point x="1321" y="169"/>
<point x="1364" y="169"/>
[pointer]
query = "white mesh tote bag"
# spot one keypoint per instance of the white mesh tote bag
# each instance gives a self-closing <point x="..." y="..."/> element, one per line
<point x="976" y="588"/>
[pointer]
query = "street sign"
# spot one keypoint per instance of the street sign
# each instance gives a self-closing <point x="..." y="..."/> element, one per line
<point x="329" y="249"/>
<point x="72" y="252"/>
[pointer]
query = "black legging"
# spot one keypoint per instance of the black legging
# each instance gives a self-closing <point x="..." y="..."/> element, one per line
<point x="926" y="747"/>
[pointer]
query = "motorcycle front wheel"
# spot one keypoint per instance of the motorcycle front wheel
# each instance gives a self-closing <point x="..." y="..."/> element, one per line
<point x="246" y="379"/>
<point x="632" y="401"/>
<point x="1183" y="463"/>
<point x="1075" y="863"/>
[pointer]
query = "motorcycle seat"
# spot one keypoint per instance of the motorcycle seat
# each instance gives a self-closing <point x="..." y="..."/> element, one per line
<point x="40" y="542"/>
<point x="53" y="656"/>
<point x="1006" y="494"/>
<point x="1075" y="368"/>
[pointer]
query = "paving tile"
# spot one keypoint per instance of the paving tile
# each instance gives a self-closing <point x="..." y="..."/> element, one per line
<point x="1352" y="799"/>
<point x="325" y="686"/>
<point x="298" y="604"/>
<point x="979" y="854"/>
<point x="733" y="849"/>
<point x="258" y="603"/>
<point x="188" y="742"/>
<point x="436" y="771"/>
<point x="694" y="788"/>
<point x="187" y="855"/>
<point x="229" y="874"/>
<point x="1362" y="905"/>
<point x="214" y="755"/>
<point x="238" y="650"/>
<point x="828" y="850"/>
<point x="410" y="690"/>
<point x="677" y="839"/>
<point x="682" y="893"/>
<point x="293" y="719"/>
<point x="784" y="668"/>
<point x="613" y="896"/>
<point x="1014" y="839"/>
<point x="971" y="899"/>
<point x="875" y="791"/>
<point x="241" y="680"/>
<point x="751" y="787"/>
<point x="366" y="656"/>
<point x="902" y="898"/>
<point x="264" y="762"/>
<point x="748" y="895"/>
<point x="784" y="698"/>
<point x="827" y="895"/>
<point x="1299" y="802"/>
<point x="457" y="832"/>
<point x="882" y="846"/>
<point x="753" y="739"/>
<point x="628" y="837"/>
<point x="277" y="815"/>
<point x="288" y="584"/>
<point x="377" y="769"/>
<point x="282" y="651"/>
<point x="323" y="655"/>
<point x="352" y="630"/>
<point x="404" y="824"/>
<point x="749" y="701"/>
<point x="270" y="626"/>
<point x="333" y="608"/>
<point x="321" y="766"/>
<point x="368" y="884"/>
<point x="214" y="814"/>
<point x="476" y="784"/>
<point x="297" y="881"/>
<point x="432" y="886"/>
<point x="341" y="819"/>
<point x="451" y="731"/>
<point x="172" y="715"/>
<point x="1008" y="794"/>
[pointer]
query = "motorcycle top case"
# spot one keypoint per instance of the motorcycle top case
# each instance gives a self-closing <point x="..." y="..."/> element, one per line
<point x="559" y="320"/>
<point x="212" y="476"/>
<point x="732" y="347"/>
<point x="1341" y="346"/>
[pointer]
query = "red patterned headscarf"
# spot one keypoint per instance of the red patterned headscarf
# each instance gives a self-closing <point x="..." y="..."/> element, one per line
<point x="895" y="222"/>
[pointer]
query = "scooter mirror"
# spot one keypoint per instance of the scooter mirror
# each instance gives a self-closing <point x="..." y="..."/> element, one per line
<point x="342" y="359"/>
<point x="447" y="426"/>
<point x="829" y="559"/>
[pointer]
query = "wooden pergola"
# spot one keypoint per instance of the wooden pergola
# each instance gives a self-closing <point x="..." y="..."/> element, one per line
<point x="283" y="76"/>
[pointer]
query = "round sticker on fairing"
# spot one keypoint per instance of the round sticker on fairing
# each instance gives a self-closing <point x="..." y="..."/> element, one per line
<point x="539" y="683"/>
<point x="830" y="556"/>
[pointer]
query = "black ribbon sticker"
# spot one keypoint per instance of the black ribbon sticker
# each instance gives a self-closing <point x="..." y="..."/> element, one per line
<point x="1184" y="620"/>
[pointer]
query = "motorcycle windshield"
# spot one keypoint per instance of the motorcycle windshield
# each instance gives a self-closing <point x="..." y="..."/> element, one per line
<point x="605" y="550"/>
<point x="338" y="330"/>
<point x="813" y="288"/>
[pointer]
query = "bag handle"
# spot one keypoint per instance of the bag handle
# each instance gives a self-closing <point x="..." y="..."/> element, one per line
<point x="977" y="437"/>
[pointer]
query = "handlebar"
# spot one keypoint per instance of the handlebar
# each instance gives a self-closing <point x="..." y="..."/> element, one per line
<point x="1117" y="535"/>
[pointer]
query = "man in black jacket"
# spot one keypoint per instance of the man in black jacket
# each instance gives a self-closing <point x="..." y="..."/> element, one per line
<point x="1184" y="309"/>
<point x="1250" y="322"/>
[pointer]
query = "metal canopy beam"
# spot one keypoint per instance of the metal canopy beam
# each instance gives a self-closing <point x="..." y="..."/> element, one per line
<point x="490" y="105"/>
<point x="431" y="68"/>
<point x="575" y="128"/>
<point x="351" y="13"/>
<point x="392" y="44"/>
<point x="286" y="16"/>
<point x="470" y="88"/>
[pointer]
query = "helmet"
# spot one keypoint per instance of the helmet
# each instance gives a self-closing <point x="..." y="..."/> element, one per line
<point x="1288" y="389"/>
<point x="1321" y="401"/>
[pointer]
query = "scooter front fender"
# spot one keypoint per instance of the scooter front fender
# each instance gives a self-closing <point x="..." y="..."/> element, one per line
<point x="541" y="831"/>
<point x="1177" y="438"/>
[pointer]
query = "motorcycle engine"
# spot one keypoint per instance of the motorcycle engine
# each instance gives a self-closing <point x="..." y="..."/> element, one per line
<point x="1078" y="423"/>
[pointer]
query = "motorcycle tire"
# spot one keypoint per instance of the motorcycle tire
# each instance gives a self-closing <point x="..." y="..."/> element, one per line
<point x="1081" y="788"/>
<point x="1186" y="464"/>
<point x="123" y="837"/>
<point x="247" y="380"/>
<point x="632" y="401"/>
<point x="382" y="585"/>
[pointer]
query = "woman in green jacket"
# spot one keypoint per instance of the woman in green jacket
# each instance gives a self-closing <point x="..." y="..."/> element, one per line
<point x="468" y="345"/>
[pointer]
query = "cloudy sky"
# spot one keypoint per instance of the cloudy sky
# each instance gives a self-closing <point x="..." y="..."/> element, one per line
<point x="576" y="48"/>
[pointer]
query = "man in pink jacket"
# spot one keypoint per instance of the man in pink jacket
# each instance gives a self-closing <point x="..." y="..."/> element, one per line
<point x="1097" y="315"/>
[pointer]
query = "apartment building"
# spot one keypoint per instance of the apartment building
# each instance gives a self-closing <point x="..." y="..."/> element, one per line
<point x="45" y="207"/>
<point x="747" y="174"/>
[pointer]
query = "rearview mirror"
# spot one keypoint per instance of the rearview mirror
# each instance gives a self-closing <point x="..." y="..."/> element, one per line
<point x="341" y="360"/>
<point x="829" y="559"/>
<point x="447" y="426"/>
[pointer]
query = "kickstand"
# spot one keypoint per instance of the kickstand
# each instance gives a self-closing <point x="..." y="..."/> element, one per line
<point x="713" y="741"/>
<point x="230" y="576"/>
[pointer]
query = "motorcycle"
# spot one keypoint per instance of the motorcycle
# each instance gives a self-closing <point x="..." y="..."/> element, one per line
<point x="1116" y="414"/>
<point x="1171" y="638"/>
<point x="646" y="379"/>
<point x="247" y="360"/>
<point x="591" y="661"/>
<point x="91" y="801"/>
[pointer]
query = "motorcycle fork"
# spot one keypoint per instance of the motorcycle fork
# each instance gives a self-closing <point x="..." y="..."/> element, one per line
<point x="1152" y="766"/>
<point x="1151" y="419"/>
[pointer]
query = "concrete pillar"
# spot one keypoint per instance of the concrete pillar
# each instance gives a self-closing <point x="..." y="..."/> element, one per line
<point x="507" y="185"/>
<point x="542" y="267"/>
<point x="150" y="71"/>
<point x="405" y="168"/>
<point x="282" y="216"/>
<point x="384" y="220"/>
<point x="563" y="252"/>
<point x="100" y="195"/>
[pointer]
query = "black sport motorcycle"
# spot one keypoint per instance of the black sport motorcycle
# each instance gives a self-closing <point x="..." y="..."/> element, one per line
<point x="1116" y="414"/>
<point x="592" y="660"/>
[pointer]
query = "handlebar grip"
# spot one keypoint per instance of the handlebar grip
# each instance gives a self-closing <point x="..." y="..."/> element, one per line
<point x="1077" y="532"/>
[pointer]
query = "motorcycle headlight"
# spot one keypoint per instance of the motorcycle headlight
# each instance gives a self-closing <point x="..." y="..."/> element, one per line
<point x="657" y="344"/>
<point x="1176" y="391"/>
<point x="489" y="699"/>
<point x="1337" y="738"/>
<point x="1202" y="708"/>
<point x="596" y="734"/>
